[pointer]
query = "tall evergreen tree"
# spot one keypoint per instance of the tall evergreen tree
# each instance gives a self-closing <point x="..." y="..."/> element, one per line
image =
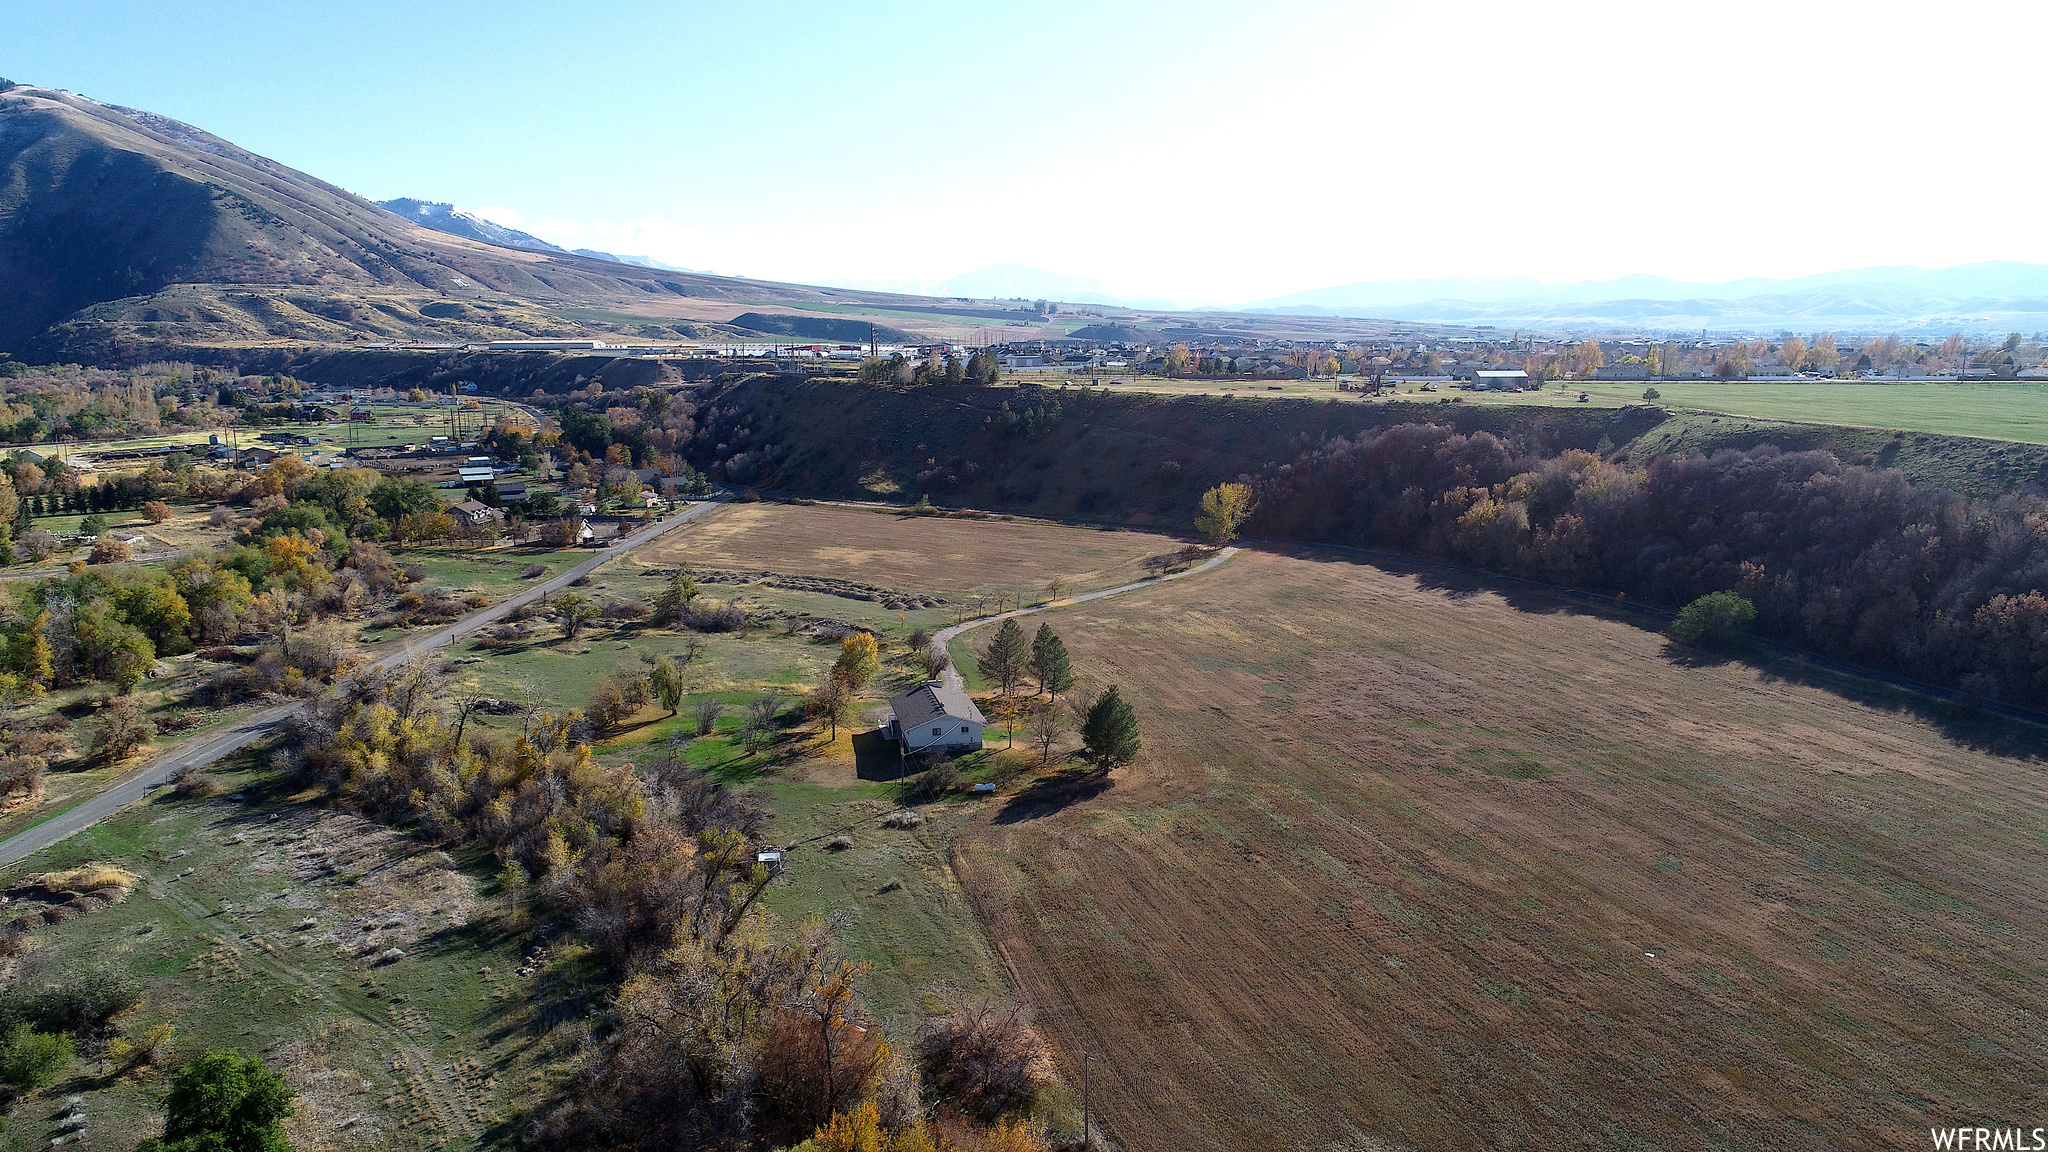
<point x="1049" y="663"/>
<point x="1006" y="657"/>
<point x="1109" y="737"/>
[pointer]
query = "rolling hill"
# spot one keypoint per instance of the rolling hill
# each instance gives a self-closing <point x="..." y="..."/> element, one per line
<point x="123" y="232"/>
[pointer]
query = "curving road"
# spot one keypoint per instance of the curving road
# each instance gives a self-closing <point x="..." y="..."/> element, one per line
<point x="203" y="750"/>
<point x="945" y="635"/>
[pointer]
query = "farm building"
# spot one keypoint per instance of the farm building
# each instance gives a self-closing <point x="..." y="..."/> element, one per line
<point x="473" y="512"/>
<point x="934" y="715"/>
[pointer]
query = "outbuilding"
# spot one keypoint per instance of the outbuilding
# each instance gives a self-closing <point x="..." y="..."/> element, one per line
<point x="935" y="715"/>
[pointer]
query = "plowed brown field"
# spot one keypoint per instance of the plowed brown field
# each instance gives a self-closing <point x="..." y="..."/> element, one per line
<point x="1410" y="866"/>
<point x="915" y="553"/>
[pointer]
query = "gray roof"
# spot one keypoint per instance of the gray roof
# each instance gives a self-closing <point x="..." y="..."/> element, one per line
<point x="931" y="700"/>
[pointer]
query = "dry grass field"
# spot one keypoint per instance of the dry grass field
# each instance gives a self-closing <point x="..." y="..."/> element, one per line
<point x="927" y="554"/>
<point x="1410" y="866"/>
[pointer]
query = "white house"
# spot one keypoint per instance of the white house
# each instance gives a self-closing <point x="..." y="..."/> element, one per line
<point x="474" y="512"/>
<point x="935" y="715"/>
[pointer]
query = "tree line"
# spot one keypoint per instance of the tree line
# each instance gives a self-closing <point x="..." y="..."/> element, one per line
<point x="1847" y="560"/>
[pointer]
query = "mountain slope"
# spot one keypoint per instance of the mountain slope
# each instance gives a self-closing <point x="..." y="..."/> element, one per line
<point x="454" y="221"/>
<point x="122" y="230"/>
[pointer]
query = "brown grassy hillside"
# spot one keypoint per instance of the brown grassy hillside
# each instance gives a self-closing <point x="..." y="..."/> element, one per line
<point x="106" y="207"/>
<point x="1406" y="865"/>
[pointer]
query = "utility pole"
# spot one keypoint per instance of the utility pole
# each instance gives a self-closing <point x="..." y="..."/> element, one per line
<point x="1085" y="1139"/>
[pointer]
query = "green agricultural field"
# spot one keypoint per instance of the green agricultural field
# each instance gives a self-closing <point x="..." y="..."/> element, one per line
<point x="267" y="924"/>
<point x="1992" y="410"/>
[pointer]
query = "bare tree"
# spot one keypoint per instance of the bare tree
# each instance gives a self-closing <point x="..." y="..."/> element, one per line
<point x="935" y="660"/>
<point x="1046" y="725"/>
<point x="761" y="713"/>
<point x="707" y="712"/>
<point x="465" y="697"/>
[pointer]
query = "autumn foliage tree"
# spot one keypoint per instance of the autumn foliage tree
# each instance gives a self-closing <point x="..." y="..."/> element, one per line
<point x="1225" y="508"/>
<point x="860" y="660"/>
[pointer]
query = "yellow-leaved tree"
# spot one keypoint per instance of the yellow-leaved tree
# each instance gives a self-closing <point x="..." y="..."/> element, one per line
<point x="1225" y="508"/>
<point x="860" y="661"/>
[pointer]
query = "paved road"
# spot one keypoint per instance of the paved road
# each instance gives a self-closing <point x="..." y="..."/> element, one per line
<point x="945" y="635"/>
<point x="206" y="749"/>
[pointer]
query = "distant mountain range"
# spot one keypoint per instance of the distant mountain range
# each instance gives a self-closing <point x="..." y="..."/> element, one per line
<point x="1988" y="296"/>
<point x="454" y="221"/>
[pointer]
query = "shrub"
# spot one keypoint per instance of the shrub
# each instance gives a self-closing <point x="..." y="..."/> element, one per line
<point x="31" y="1060"/>
<point x="227" y="1102"/>
<point x="81" y="1002"/>
<point x="1713" y="619"/>
<point x="938" y="777"/>
<point x="1652" y="394"/>
<point x="123" y="728"/>
<point x="716" y="618"/>
<point x="149" y="1048"/>
<point x="706" y="712"/>
<point x="194" y="784"/>
<point x="985" y="1059"/>
<point x="156" y="511"/>
<point x="533" y="571"/>
<point x="107" y="550"/>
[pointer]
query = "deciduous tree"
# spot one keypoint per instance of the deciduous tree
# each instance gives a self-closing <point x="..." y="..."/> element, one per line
<point x="574" y="611"/>
<point x="1225" y="508"/>
<point x="860" y="660"/>
<point x="667" y="681"/>
<point x="224" y="1102"/>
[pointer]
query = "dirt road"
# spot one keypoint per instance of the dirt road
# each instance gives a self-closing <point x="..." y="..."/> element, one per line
<point x="205" y="750"/>
<point x="945" y="635"/>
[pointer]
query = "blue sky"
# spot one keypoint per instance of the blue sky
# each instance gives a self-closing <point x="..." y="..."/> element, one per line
<point x="1206" y="153"/>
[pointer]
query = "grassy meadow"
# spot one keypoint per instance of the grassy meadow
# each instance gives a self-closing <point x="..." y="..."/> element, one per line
<point x="263" y="921"/>
<point x="1407" y="864"/>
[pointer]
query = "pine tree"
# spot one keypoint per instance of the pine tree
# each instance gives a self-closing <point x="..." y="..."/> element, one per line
<point x="1006" y="657"/>
<point x="1049" y="663"/>
<point x="1109" y="736"/>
